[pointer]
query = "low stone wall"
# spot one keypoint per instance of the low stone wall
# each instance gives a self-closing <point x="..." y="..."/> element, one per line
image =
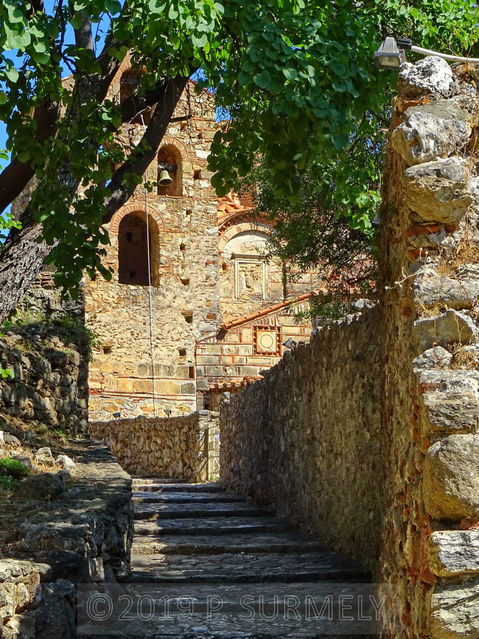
<point x="81" y="536"/>
<point x="307" y="437"/>
<point x="180" y="447"/>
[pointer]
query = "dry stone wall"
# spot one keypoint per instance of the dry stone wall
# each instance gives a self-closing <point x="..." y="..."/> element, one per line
<point x="178" y="447"/>
<point x="410" y="379"/>
<point x="82" y="535"/>
<point x="288" y="441"/>
<point x="48" y="353"/>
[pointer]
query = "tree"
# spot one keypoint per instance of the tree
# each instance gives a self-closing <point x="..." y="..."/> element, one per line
<point x="293" y="75"/>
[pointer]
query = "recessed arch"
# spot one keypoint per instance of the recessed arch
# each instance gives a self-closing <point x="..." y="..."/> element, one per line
<point x="169" y="160"/>
<point x="138" y="249"/>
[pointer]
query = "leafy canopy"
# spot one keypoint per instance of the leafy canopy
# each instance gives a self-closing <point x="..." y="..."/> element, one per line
<point x="296" y="76"/>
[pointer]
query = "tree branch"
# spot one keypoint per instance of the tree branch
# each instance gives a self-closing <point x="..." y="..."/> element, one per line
<point x="141" y="157"/>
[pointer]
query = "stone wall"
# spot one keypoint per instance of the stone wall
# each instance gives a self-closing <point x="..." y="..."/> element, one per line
<point x="82" y="535"/>
<point x="410" y="379"/>
<point x="47" y="352"/>
<point x="184" y="447"/>
<point x="287" y="441"/>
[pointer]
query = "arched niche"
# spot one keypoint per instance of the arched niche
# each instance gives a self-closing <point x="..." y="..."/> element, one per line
<point x="128" y="84"/>
<point x="137" y="250"/>
<point x="169" y="159"/>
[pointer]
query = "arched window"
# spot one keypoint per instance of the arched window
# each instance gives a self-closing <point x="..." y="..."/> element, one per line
<point x="133" y="247"/>
<point x="169" y="168"/>
<point x="129" y="108"/>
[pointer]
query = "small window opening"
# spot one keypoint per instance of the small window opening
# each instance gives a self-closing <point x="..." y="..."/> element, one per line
<point x="192" y="372"/>
<point x="188" y="315"/>
<point x="197" y="174"/>
<point x="182" y="247"/>
<point x="182" y="352"/>
<point x="185" y="281"/>
<point x="107" y="350"/>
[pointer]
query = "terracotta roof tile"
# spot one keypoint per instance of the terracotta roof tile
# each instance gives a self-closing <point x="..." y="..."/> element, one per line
<point x="226" y="326"/>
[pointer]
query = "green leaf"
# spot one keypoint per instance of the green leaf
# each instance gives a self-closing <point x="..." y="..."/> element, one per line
<point x="3" y="97"/>
<point x="263" y="79"/>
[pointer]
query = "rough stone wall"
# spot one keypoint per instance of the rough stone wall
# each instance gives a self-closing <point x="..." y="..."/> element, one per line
<point x="417" y="397"/>
<point x="84" y="536"/>
<point x="287" y="441"/>
<point x="50" y="372"/>
<point x="184" y="447"/>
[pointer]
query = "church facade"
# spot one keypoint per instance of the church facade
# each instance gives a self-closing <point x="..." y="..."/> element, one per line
<point x="194" y="308"/>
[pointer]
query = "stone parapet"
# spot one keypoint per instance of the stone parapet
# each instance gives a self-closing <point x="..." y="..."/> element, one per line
<point x="179" y="447"/>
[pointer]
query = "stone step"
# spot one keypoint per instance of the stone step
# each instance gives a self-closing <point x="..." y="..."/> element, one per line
<point x="238" y="611"/>
<point x="176" y="487"/>
<point x="154" y="497"/>
<point x="201" y="511"/>
<point x="208" y="526"/>
<point x="156" y="479"/>
<point x="244" y="569"/>
<point x="208" y="544"/>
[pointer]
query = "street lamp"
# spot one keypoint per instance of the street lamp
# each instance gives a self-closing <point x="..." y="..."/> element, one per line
<point x="391" y="53"/>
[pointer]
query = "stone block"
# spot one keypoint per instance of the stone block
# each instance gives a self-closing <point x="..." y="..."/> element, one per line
<point x="454" y="611"/>
<point x="143" y="385"/>
<point x="125" y="384"/>
<point x="448" y="328"/>
<point x="431" y="288"/>
<point x="454" y="552"/>
<point x="164" y="387"/>
<point x="247" y="335"/>
<point x="429" y="75"/>
<point x="432" y="131"/>
<point x="437" y="357"/>
<point x="438" y="191"/>
<point x="451" y="478"/>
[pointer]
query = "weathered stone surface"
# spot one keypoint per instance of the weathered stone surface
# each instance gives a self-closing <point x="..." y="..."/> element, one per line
<point x="454" y="611"/>
<point x="451" y="399"/>
<point x="44" y="486"/>
<point x="448" y="328"/>
<point x="436" y="357"/>
<point x="44" y="456"/>
<point x="431" y="288"/>
<point x="65" y="462"/>
<point x="451" y="480"/>
<point x="438" y="191"/>
<point x="19" y="590"/>
<point x="454" y="552"/>
<point x="429" y="75"/>
<point x="432" y="131"/>
<point x="55" y="397"/>
<point x="182" y="447"/>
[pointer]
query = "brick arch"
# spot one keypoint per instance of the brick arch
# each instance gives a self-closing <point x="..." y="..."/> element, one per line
<point x="242" y="227"/>
<point x="154" y="231"/>
<point x="169" y="140"/>
<point x="114" y="224"/>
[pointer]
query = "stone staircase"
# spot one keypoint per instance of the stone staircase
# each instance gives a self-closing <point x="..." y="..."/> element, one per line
<point x="207" y="565"/>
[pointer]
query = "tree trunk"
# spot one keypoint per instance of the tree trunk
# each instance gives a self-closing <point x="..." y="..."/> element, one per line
<point x="22" y="258"/>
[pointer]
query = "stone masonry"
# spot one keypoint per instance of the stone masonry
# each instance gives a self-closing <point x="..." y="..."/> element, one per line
<point x="208" y="266"/>
<point x="369" y="435"/>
